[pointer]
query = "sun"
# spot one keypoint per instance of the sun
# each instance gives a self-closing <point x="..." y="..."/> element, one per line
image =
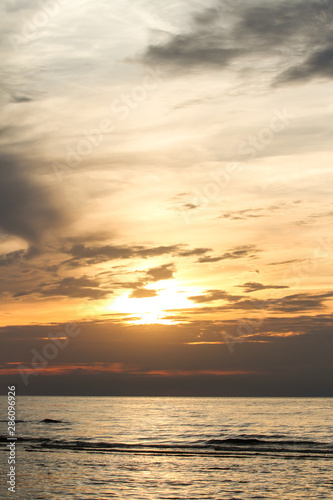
<point x="152" y="310"/>
<point x="150" y="318"/>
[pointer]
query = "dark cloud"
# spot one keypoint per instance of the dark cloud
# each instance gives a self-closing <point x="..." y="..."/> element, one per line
<point x="193" y="252"/>
<point x="212" y="295"/>
<point x="189" y="206"/>
<point x="241" y="215"/>
<point x="27" y="208"/>
<point x="296" y="34"/>
<point x="82" y="254"/>
<point x="284" y="262"/>
<point x="12" y="257"/>
<point x="25" y="264"/>
<point x="254" y="213"/>
<point x="178" y="203"/>
<point x="311" y="219"/>
<point x="317" y="65"/>
<point x="129" y="284"/>
<point x="249" y="213"/>
<point x="153" y="359"/>
<point x="238" y="252"/>
<point x="20" y="99"/>
<point x="164" y="272"/>
<point x="296" y="30"/>
<point x="254" y="287"/>
<point x="276" y="24"/>
<point x="194" y="49"/>
<point x="207" y="17"/>
<point x="299" y="302"/>
<point x="295" y="303"/>
<point x="141" y="293"/>
<point x="96" y="254"/>
<point x="209" y="259"/>
<point x="69" y="287"/>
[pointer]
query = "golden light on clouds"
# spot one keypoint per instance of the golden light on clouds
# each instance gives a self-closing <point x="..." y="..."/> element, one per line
<point x="175" y="181"/>
<point x="169" y="296"/>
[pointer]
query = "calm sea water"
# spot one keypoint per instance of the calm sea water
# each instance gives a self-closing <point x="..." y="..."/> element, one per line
<point x="170" y="448"/>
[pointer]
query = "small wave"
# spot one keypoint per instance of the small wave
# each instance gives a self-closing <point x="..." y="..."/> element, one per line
<point x="51" y="421"/>
<point x="223" y="447"/>
<point x="251" y="441"/>
<point x="4" y="439"/>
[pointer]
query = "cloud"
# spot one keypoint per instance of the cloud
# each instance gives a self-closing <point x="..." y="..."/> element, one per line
<point x="69" y="287"/>
<point x="249" y="213"/>
<point x="297" y="364"/>
<point x="82" y="254"/>
<point x="295" y="303"/>
<point x="189" y="206"/>
<point x="242" y="215"/>
<point x="193" y="252"/>
<point x="311" y="219"/>
<point x="254" y="287"/>
<point x="299" y="302"/>
<point x="97" y="254"/>
<point x="254" y="213"/>
<point x="164" y="272"/>
<point x="238" y="252"/>
<point x="319" y="64"/>
<point x="27" y="208"/>
<point x="283" y="262"/>
<point x="194" y="49"/>
<point x="12" y="257"/>
<point x="179" y="205"/>
<point x="212" y="295"/>
<point x="289" y="304"/>
<point x="208" y="16"/>
<point x="205" y="45"/>
<point x="209" y="259"/>
<point x="19" y="99"/>
<point x="141" y="293"/>
<point x="16" y="5"/>
<point x="293" y="33"/>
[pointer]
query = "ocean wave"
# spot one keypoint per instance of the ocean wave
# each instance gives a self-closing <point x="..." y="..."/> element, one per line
<point x="254" y="441"/>
<point x="216" y="446"/>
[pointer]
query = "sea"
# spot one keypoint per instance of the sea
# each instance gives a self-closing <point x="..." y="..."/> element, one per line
<point x="169" y="448"/>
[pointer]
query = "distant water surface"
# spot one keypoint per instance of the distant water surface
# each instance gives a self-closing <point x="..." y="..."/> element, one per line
<point x="171" y="448"/>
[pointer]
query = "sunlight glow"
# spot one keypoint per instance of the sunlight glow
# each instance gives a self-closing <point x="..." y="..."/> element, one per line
<point x="153" y="309"/>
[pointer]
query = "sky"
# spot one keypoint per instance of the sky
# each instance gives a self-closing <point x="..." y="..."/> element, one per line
<point x="165" y="197"/>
